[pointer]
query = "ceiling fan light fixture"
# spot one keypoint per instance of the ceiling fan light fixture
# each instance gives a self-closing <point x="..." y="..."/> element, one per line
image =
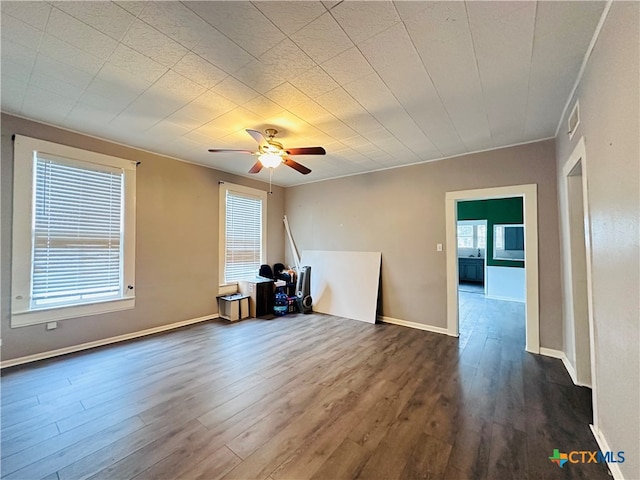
<point x="270" y="160"/>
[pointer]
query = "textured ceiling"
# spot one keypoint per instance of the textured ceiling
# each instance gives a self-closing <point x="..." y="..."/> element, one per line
<point x="379" y="84"/>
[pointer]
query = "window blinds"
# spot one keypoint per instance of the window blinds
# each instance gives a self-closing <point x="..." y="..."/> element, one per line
<point x="243" y="248"/>
<point x="77" y="244"/>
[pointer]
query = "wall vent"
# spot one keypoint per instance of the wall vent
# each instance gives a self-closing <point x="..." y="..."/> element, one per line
<point x="574" y="120"/>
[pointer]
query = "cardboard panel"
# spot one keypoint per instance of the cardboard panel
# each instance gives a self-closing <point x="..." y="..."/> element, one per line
<point x="344" y="284"/>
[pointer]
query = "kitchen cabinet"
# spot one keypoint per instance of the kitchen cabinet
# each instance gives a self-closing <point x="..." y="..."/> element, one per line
<point x="471" y="269"/>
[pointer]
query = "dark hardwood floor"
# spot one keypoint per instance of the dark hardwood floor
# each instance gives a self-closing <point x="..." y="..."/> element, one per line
<point x="297" y="397"/>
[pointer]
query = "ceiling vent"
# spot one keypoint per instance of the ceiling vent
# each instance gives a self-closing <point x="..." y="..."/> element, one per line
<point x="574" y="120"/>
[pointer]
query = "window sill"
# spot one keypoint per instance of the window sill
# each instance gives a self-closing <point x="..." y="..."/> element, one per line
<point x="36" y="317"/>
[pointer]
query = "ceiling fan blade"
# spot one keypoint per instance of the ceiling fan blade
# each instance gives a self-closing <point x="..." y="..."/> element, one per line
<point x="218" y="150"/>
<point x="306" y="151"/>
<point x="256" y="167"/>
<point x="257" y="136"/>
<point x="296" y="166"/>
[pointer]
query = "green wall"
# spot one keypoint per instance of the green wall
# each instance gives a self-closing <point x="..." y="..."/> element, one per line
<point x="496" y="211"/>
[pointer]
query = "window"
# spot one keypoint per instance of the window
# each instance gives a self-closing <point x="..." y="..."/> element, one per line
<point x="465" y="236"/>
<point x="243" y="227"/>
<point x="73" y="233"/>
<point x="472" y="235"/>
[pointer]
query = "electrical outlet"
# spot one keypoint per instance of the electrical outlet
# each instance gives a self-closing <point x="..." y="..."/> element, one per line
<point x="438" y="247"/>
<point x="52" y="325"/>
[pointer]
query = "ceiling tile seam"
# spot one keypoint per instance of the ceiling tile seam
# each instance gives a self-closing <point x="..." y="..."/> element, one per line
<point x="173" y="71"/>
<point x="482" y="87"/>
<point x="408" y="115"/>
<point x="426" y="70"/>
<point x="389" y="89"/>
<point x="33" y="64"/>
<point x="347" y="33"/>
<point x="119" y="40"/>
<point x="222" y="33"/>
<point x="363" y="107"/>
<point x="475" y="58"/>
<point x="376" y="162"/>
<point x="444" y="107"/>
<point x="136" y="17"/>
<point x="424" y="161"/>
<point x="585" y="60"/>
<point x="188" y="131"/>
<point x="287" y="35"/>
<point x="207" y="90"/>
<point x="328" y="74"/>
<point x="141" y="149"/>
<point x="373" y="70"/>
<point x="176" y="110"/>
<point x="533" y="43"/>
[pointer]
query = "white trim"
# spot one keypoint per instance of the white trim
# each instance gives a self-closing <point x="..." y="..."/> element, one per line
<point x="222" y="223"/>
<point x="550" y="352"/>
<point x="418" y="326"/>
<point x="583" y="66"/>
<point x="570" y="370"/>
<point x="579" y="155"/>
<point x="530" y="210"/>
<point x="614" y="468"/>
<point x="105" y="341"/>
<point x="25" y="149"/>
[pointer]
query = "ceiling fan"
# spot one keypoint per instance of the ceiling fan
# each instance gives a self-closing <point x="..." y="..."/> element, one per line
<point x="271" y="153"/>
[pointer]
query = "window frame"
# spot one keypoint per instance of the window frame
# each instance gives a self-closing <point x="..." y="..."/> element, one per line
<point x="25" y="151"/>
<point x="474" y="224"/>
<point x="262" y="195"/>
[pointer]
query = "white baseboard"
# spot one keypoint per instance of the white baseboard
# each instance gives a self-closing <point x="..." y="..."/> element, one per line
<point x="505" y="299"/>
<point x="550" y="352"/>
<point x="104" y="341"/>
<point x="418" y="326"/>
<point x="571" y="369"/>
<point x="604" y="447"/>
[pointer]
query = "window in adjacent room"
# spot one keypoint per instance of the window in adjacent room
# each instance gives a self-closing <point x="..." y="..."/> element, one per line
<point x="472" y="235"/>
<point x="73" y="233"/>
<point x="243" y="227"/>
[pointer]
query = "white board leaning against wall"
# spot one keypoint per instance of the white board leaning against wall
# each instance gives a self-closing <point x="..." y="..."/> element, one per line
<point x="344" y="284"/>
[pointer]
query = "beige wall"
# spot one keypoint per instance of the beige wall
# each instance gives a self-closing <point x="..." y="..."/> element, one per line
<point x="401" y="213"/>
<point x="176" y="244"/>
<point x="609" y="110"/>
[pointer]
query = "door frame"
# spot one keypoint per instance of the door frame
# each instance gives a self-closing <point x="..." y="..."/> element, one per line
<point x="579" y="156"/>
<point x="529" y="194"/>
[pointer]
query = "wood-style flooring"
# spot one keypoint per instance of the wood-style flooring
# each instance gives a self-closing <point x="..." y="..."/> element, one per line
<point x="301" y="397"/>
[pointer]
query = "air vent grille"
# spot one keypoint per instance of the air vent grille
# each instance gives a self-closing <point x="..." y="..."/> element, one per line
<point x="574" y="120"/>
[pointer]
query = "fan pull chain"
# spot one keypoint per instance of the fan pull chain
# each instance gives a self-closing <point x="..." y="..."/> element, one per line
<point x="270" y="175"/>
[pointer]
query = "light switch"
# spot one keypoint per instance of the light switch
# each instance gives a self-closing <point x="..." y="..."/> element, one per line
<point x="439" y="247"/>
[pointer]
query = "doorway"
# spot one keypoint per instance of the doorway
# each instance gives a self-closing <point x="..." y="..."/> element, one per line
<point x="580" y="330"/>
<point x="528" y="193"/>
<point x="471" y="244"/>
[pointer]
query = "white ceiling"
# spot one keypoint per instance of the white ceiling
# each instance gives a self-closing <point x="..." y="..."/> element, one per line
<point x="379" y="84"/>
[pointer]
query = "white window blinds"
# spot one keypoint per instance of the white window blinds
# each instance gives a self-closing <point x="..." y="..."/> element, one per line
<point x="77" y="233"/>
<point x="243" y="236"/>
